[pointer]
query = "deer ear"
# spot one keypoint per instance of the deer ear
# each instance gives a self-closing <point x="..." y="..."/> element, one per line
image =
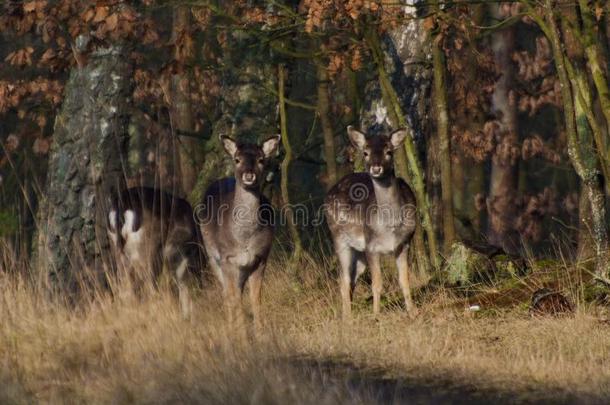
<point x="270" y="145"/>
<point x="357" y="138"/>
<point x="229" y="144"/>
<point x="398" y="137"/>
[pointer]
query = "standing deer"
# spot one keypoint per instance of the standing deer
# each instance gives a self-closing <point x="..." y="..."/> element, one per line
<point x="370" y="214"/>
<point x="238" y="225"/>
<point x="151" y="230"/>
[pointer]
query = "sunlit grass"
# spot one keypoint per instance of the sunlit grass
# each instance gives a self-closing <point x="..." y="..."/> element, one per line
<point x="122" y="348"/>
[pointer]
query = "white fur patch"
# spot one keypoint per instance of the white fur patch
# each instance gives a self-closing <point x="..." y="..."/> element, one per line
<point x="181" y="269"/>
<point x="384" y="243"/>
<point x="134" y="241"/>
<point x="112" y="219"/>
<point x="354" y="241"/>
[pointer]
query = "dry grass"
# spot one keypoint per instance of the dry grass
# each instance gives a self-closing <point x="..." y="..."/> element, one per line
<point x="140" y="350"/>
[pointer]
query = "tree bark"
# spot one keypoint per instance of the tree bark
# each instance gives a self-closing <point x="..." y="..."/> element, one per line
<point x="501" y="205"/>
<point x="287" y="209"/>
<point x="86" y="162"/>
<point x="327" y="127"/>
<point x="584" y="162"/>
<point x="593" y="53"/>
<point x="189" y="148"/>
<point x="444" y="143"/>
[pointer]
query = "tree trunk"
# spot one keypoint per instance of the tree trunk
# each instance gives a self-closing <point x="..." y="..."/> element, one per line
<point x="287" y="209"/>
<point x="85" y="163"/>
<point x="189" y="148"/>
<point x="327" y="127"/>
<point x="444" y="143"/>
<point x="503" y="181"/>
<point x="593" y="52"/>
<point x="580" y="152"/>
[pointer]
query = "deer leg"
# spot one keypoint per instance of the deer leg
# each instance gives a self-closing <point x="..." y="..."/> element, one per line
<point x="177" y="264"/>
<point x="232" y="295"/>
<point x="375" y="265"/>
<point x="360" y="267"/>
<point x="402" y="264"/>
<point x="346" y="261"/>
<point x="183" y="292"/>
<point x="255" y="283"/>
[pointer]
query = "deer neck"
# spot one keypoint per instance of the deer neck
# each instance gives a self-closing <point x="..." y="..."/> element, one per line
<point x="386" y="191"/>
<point x="246" y="204"/>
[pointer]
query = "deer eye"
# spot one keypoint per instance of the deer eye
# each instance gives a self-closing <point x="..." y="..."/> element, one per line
<point x="261" y="161"/>
<point x="237" y="161"/>
<point x="388" y="153"/>
<point x="366" y="154"/>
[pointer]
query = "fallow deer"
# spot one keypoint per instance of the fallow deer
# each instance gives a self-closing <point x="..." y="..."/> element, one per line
<point x="370" y="214"/>
<point x="237" y="225"/>
<point x="151" y="229"/>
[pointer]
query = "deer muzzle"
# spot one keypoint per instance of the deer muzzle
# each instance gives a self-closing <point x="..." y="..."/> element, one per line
<point x="249" y="178"/>
<point x="376" y="170"/>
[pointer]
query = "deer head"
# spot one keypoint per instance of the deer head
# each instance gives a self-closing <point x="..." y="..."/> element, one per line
<point x="378" y="151"/>
<point x="249" y="159"/>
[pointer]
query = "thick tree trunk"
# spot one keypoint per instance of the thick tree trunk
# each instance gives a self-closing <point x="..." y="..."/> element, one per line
<point x="189" y="148"/>
<point x="86" y="162"/>
<point x="327" y="127"/>
<point x="503" y="181"/>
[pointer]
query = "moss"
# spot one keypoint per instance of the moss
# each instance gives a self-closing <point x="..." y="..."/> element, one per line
<point x="596" y="292"/>
<point x="463" y="264"/>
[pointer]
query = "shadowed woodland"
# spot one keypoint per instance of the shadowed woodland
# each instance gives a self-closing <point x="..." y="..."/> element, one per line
<point x="507" y="109"/>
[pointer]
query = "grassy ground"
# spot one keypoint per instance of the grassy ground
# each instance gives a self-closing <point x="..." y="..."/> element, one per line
<point x="123" y="350"/>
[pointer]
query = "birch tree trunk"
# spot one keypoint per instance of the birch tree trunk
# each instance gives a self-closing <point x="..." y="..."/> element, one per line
<point x="86" y="162"/>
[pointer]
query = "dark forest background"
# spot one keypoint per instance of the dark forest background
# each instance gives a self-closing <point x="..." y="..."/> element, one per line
<point x="507" y="104"/>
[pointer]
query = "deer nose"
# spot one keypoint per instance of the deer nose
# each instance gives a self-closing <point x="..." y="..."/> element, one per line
<point x="249" y="177"/>
<point x="376" y="170"/>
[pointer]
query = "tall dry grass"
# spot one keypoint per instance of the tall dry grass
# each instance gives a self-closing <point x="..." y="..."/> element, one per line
<point x="121" y="348"/>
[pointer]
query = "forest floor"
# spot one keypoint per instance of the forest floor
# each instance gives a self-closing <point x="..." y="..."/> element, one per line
<point x="123" y="349"/>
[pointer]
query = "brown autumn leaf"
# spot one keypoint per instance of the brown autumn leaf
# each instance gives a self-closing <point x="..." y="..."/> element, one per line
<point x="20" y="57"/>
<point x="41" y="120"/>
<point x="48" y="55"/>
<point x="41" y="146"/>
<point x="112" y="22"/>
<point x="12" y="143"/>
<point x="100" y="14"/>
<point x="88" y="15"/>
<point x="29" y="6"/>
<point x="129" y="14"/>
<point x="599" y="11"/>
<point x="429" y="23"/>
